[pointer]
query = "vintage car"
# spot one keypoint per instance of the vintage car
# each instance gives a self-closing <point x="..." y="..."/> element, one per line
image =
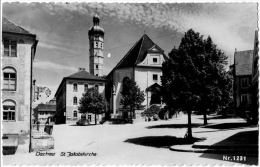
<point x="83" y="121"/>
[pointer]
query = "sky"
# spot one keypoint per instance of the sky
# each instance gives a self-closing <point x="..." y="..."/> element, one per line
<point x="62" y="29"/>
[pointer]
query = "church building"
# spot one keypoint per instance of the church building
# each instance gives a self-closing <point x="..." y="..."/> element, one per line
<point x="143" y="64"/>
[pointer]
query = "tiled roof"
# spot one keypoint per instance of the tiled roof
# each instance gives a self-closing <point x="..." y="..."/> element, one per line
<point x="84" y="75"/>
<point x="137" y="53"/>
<point x="243" y="62"/>
<point x="46" y="107"/>
<point x="8" y="26"/>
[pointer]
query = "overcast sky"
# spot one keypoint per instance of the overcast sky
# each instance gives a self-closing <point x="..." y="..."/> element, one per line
<point x="62" y="29"/>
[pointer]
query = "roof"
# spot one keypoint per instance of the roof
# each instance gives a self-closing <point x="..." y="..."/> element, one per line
<point x="137" y="53"/>
<point x="8" y="26"/>
<point x="154" y="88"/>
<point x="81" y="75"/>
<point x="46" y="107"/>
<point x="84" y="75"/>
<point x="243" y="62"/>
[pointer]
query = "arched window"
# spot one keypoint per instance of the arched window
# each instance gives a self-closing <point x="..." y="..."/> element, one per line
<point x="97" y="87"/>
<point x="9" y="110"/>
<point x="75" y="87"/>
<point x="9" y="74"/>
<point x="75" y="100"/>
<point x="75" y="114"/>
<point x="85" y="87"/>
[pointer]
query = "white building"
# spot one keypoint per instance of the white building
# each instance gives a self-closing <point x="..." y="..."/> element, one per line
<point x="143" y="64"/>
<point x="70" y="92"/>
<point x="18" y="52"/>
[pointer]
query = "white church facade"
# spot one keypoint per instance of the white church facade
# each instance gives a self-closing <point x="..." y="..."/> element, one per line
<point x="143" y="64"/>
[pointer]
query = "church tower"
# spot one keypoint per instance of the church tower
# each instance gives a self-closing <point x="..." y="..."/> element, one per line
<point x="96" y="40"/>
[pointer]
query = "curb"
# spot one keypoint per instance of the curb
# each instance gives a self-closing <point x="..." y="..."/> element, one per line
<point x="244" y="147"/>
<point x="187" y="148"/>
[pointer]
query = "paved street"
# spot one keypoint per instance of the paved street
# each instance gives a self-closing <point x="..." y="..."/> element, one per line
<point x="139" y="143"/>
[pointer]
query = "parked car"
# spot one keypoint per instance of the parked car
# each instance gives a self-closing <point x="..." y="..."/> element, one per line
<point x="83" y="122"/>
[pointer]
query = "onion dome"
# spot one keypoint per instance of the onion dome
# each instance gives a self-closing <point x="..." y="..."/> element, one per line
<point x="96" y="29"/>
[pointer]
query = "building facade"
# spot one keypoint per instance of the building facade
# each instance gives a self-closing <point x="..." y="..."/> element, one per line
<point x="43" y="111"/>
<point x="242" y="79"/>
<point x="143" y="64"/>
<point x="69" y="93"/>
<point x="19" y="47"/>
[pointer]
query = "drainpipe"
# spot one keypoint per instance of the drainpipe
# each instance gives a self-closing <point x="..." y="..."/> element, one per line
<point x="33" y="51"/>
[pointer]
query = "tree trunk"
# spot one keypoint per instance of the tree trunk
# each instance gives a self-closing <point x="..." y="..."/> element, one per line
<point x="95" y="117"/>
<point x="205" y="116"/>
<point x="189" y="125"/>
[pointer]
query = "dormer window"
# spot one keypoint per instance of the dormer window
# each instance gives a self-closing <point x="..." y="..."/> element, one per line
<point x="155" y="60"/>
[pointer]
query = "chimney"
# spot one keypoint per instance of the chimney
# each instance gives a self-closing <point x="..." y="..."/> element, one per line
<point x="82" y="69"/>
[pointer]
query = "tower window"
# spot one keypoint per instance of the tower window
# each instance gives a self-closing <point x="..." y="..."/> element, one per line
<point x="101" y="46"/>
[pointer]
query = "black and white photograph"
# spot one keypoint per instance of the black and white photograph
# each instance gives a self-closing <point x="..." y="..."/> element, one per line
<point x="129" y="83"/>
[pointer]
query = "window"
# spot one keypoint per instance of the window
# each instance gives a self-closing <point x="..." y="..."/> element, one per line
<point x="96" y="66"/>
<point x="244" y="82"/>
<point x="154" y="60"/>
<point x="9" y="110"/>
<point x="75" y="87"/>
<point x="101" y="46"/>
<point x="155" y="77"/>
<point x="75" y="114"/>
<point x="96" y="44"/>
<point x="85" y="87"/>
<point x="75" y="100"/>
<point x="96" y="87"/>
<point x="97" y="75"/>
<point x="10" y="48"/>
<point x="244" y="98"/>
<point x="9" y="78"/>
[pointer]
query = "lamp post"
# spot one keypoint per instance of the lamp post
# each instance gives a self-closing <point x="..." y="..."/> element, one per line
<point x="36" y="90"/>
